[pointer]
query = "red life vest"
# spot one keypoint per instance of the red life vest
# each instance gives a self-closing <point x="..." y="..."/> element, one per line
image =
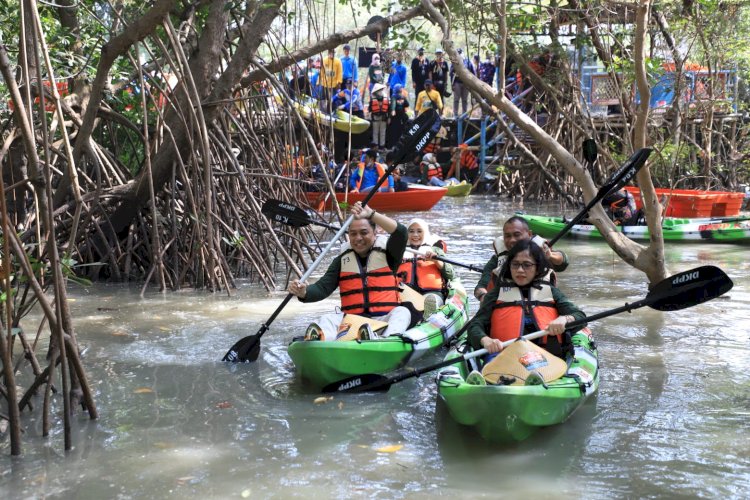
<point x="468" y="160"/>
<point x="431" y="147"/>
<point x="422" y="275"/>
<point x="372" y="290"/>
<point x="361" y="170"/>
<point x="508" y="312"/>
<point x="433" y="170"/>
<point x="379" y="106"/>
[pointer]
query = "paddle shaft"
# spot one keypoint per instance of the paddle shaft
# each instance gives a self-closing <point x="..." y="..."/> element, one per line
<point x="447" y="362"/>
<point x="621" y="177"/>
<point x="679" y="291"/>
<point x="447" y="261"/>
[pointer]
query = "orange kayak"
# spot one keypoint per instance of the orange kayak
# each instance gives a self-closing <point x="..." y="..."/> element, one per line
<point x="411" y="200"/>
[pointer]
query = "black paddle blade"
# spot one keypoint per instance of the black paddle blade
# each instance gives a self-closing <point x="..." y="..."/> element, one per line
<point x="626" y="172"/>
<point x="689" y="288"/>
<point x="589" y="150"/>
<point x="244" y="350"/>
<point x="360" y="383"/>
<point x="290" y="215"/>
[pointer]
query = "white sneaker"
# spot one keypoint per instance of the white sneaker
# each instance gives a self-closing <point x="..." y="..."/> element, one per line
<point x="432" y="302"/>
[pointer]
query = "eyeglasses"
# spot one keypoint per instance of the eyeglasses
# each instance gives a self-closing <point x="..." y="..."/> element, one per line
<point x="525" y="265"/>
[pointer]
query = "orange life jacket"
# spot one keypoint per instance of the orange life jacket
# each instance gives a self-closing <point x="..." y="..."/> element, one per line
<point x="379" y="106"/>
<point x="433" y="170"/>
<point x="507" y="320"/>
<point x="372" y="290"/>
<point x="431" y="147"/>
<point x="422" y="275"/>
<point x="468" y="160"/>
<point x="361" y="169"/>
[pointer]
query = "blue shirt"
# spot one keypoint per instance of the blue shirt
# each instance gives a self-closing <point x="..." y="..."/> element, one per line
<point x="398" y="74"/>
<point x="349" y="67"/>
<point x="369" y="178"/>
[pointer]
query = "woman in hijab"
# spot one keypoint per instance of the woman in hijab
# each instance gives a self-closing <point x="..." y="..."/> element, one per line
<point x="421" y="271"/>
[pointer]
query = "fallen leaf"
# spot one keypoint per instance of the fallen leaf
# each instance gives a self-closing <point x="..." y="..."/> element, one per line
<point x="165" y="329"/>
<point x="143" y="390"/>
<point x="322" y="400"/>
<point x="185" y="479"/>
<point x="341" y="405"/>
<point x="71" y="300"/>
<point x="120" y="334"/>
<point x="245" y="494"/>
<point x="389" y="449"/>
<point x="224" y="404"/>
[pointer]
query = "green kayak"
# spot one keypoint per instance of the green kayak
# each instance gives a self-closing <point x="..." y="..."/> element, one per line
<point x="710" y="230"/>
<point x="511" y="413"/>
<point x="322" y="363"/>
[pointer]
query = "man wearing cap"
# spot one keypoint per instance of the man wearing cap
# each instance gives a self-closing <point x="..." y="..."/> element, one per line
<point x="439" y="73"/>
<point x="428" y="98"/>
<point x="365" y="177"/>
<point x="349" y="99"/>
<point x="460" y="91"/>
<point x="420" y="69"/>
<point x="349" y="67"/>
<point x="331" y="76"/>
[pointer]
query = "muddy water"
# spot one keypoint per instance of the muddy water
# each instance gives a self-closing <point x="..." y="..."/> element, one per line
<point x="670" y="419"/>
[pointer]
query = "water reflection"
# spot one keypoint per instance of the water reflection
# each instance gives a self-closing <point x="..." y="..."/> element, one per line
<point x="671" y="417"/>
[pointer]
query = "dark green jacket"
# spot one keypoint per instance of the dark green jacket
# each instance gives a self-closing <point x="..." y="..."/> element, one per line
<point x="329" y="282"/>
<point x="480" y="325"/>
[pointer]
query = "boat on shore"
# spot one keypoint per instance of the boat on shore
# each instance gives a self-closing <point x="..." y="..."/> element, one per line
<point x="320" y="363"/>
<point x="512" y="413"/>
<point x="709" y="230"/>
<point x="692" y="203"/>
<point x="411" y="200"/>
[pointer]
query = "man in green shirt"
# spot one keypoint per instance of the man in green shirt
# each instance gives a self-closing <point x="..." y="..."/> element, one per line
<point x="365" y="274"/>
<point x="515" y="229"/>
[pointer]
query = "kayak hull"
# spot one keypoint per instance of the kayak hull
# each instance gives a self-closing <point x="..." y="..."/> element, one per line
<point x="462" y="189"/>
<point x="710" y="230"/>
<point x="323" y="363"/>
<point x="512" y="413"/>
<point x="411" y="200"/>
<point x="309" y="109"/>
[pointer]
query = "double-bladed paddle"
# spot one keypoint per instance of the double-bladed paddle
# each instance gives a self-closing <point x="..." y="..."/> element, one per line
<point x="420" y="132"/>
<point x="615" y="182"/>
<point x="292" y="215"/>
<point x="680" y="291"/>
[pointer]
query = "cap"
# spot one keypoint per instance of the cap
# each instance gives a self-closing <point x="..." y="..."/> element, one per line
<point x="438" y="50"/>
<point x="347" y="46"/>
<point x="420" y="49"/>
<point x="460" y="50"/>
<point x="397" y="87"/>
<point x="347" y="81"/>
<point x="428" y="82"/>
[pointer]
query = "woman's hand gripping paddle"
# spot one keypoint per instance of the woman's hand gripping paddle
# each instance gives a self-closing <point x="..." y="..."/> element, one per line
<point x="420" y="132"/>
<point x="615" y="182"/>
<point x="680" y="291"/>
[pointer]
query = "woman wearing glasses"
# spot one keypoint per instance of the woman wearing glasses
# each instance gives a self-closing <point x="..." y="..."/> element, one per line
<point x="523" y="302"/>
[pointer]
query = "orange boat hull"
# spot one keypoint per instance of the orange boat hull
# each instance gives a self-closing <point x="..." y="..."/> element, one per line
<point x="690" y="203"/>
<point x="412" y="200"/>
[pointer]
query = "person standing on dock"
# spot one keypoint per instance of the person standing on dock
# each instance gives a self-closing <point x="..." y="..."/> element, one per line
<point x="420" y="69"/>
<point x="349" y="68"/>
<point x="331" y="76"/>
